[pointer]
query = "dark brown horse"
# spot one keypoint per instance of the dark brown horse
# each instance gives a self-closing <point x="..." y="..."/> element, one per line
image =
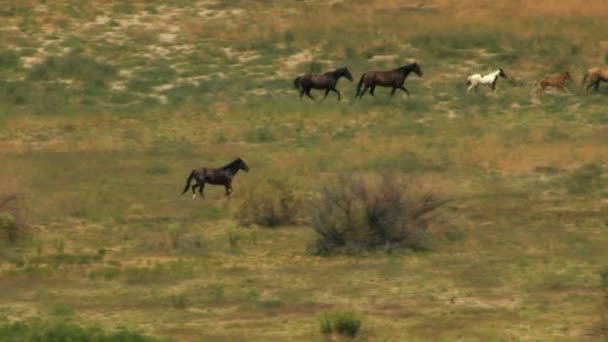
<point x="394" y="78"/>
<point x="325" y="81"/>
<point x="557" y="82"/>
<point x="595" y="75"/>
<point x="220" y="176"/>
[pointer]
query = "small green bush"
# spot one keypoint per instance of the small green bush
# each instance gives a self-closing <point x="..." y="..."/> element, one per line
<point x="179" y="301"/>
<point x="233" y="239"/>
<point x="269" y="204"/>
<point x="345" y="323"/>
<point x="8" y="59"/>
<point x="585" y="179"/>
<point x="9" y="226"/>
<point x="39" y="330"/>
<point x="315" y="67"/>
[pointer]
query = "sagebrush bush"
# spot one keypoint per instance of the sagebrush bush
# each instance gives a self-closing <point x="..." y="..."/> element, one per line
<point x="356" y="214"/>
<point x="345" y="323"/>
<point x="268" y="204"/>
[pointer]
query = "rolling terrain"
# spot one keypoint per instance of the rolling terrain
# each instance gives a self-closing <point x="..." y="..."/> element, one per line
<point x="106" y="107"/>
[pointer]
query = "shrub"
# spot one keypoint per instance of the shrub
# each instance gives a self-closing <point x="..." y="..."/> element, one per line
<point x="38" y="330"/>
<point x="74" y="66"/>
<point x="8" y="226"/>
<point x="358" y="214"/>
<point x="11" y="223"/>
<point x="345" y="323"/>
<point x="315" y="67"/>
<point x="585" y="179"/>
<point x="270" y="204"/>
<point x="8" y="59"/>
<point x="180" y="301"/>
<point x="233" y="239"/>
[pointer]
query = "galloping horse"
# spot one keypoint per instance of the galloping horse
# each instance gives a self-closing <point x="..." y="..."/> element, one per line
<point x="325" y="81"/>
<point x="220" y="176"/>
<point x="393" y="78"/>
<point x="557" y="82"/>
<point x="490" y="79"/>
<point x="595" y="75"/>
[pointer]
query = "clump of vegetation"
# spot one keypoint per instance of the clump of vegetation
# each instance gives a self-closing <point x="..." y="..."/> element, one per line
<point x="358" y="214"/>
<point x="585" y="179"/>
<point x="12" y="226"/>
<point x="345" y="323"/>
<point x="180" y="301"/>
<point x="602" y="326"/>
<point x="270" y="204"/>
<point x="8" y="59"/>
<point x="75" y="66"/>
<point x="39" y="330"/>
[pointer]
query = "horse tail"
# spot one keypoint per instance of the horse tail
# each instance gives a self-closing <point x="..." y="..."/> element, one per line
<point x="188" y="182"/>
<point x="296" y="82"/>
<point x="359" y="85"/>
<point x="585" y="79"/>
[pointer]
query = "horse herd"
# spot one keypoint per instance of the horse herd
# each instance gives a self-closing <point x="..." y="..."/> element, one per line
<point x="370" y="80"/>
<point x="396" y="78"/>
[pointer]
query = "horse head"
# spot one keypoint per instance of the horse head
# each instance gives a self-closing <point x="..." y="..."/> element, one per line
<point x="417" y="70"/>
<point x="344" y="72"/>
<point x="242" y="165"/>
<point x="501" y="73"/>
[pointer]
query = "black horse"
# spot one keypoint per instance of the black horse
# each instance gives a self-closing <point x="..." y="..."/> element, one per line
<point x="325" y="81"/>
<point x="393" y="78"/>
<point x="220" y="176"/>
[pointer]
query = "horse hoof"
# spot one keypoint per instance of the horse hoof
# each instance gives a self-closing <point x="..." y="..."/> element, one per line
<point x="194" y="196"/>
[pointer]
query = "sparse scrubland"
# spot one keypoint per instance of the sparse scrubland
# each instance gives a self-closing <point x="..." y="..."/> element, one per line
<point x="105" y="107"/>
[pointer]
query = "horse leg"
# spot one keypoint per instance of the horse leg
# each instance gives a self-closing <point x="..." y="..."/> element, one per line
<point x="405" y="90"/>
<point x="326" y="92"/>
<point x="473" y="85"/>
<point x="228" y="189"/>
<point x="363" y="91"/>
<point x="337" y="92"/>
<point x="194" y="190"/>
<point x="393" y="91"/>
<point x="302" y="91"/>
<point x="201" y="188"/>
<point x="371" y="91"/>
<point x="308" y="94"/>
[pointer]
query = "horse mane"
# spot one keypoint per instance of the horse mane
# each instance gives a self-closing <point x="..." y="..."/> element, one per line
<point x="232" y="164"/>
<point x="334" y="72"/>
<point x="405" y="67"/>
<point x="497" y="71"/>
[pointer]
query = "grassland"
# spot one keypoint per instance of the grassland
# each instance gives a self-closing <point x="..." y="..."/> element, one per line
<point x="105" y="107"/>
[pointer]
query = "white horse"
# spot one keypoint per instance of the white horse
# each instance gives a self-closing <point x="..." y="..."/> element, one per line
<point x="490" y="79"/>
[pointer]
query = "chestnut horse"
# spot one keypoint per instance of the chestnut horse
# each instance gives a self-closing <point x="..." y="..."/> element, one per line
<point x="595" y="75"/>
<point x="220" y="176"/>
<point x="557" y="82"/>
<point x="325" y="81"/>
<point x="393" y="78"/>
